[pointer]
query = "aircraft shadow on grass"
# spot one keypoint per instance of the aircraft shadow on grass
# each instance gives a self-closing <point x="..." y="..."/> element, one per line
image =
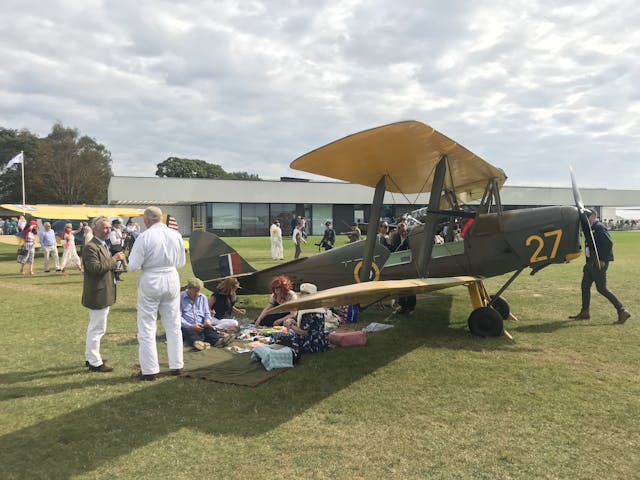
<point x="253" y="411"/>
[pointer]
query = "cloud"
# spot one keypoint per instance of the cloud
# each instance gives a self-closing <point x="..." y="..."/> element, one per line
<point x="530" y="86"/>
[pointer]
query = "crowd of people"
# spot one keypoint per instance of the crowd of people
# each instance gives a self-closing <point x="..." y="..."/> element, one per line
<point x="118" y="239"/>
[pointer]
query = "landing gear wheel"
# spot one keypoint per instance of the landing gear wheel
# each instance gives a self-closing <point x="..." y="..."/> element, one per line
<point x="485" y="322"/>
<point x="501" y="305"/>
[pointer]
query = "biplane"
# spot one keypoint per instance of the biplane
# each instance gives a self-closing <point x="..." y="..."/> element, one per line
<point x="410" y="158"/>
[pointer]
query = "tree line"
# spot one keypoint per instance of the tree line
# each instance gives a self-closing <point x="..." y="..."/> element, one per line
<point x="68" y="168"/>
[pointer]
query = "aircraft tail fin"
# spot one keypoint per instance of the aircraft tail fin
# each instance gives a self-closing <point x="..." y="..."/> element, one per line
<point x="212" y="258"/>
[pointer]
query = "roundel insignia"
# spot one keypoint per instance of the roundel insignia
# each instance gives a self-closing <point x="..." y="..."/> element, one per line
<point x="374" y="274"/>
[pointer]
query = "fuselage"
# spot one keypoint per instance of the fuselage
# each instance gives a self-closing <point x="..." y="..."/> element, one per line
<point x="494" y="245"/>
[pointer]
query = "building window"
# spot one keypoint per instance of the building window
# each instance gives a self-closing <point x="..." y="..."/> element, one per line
<point x="224" y="219"/>
<point x="321" y="214"/>
<point x="255" y="219"/>
<point x="283" y="212"/>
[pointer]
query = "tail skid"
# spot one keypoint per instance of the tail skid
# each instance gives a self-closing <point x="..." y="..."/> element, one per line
<point x="212" y="258"/>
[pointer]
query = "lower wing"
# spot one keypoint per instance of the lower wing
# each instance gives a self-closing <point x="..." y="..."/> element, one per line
<point x="370" y="292"/>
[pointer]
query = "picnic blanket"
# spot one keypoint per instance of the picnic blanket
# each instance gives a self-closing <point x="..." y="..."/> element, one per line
<point x="222" y="366"/>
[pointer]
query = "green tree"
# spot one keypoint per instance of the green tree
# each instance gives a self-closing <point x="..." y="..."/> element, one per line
<point x="13" y="142"/>
<point x="175" y="167"/>
<point x="72" y="169"/>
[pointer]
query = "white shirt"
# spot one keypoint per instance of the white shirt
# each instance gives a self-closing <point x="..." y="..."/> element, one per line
<point x="115" y="237"/>
<point x="158" y="247"/>
<point x="295" y="234"/>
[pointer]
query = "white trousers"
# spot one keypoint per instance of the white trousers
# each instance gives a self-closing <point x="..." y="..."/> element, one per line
<point x="224" y="323"/>
<point x="96" y="329"/>
<point x="159" y="292"/>
<point x="51" y="251"/>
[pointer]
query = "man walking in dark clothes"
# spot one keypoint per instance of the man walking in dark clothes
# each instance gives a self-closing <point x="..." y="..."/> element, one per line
<point x="598" y="273"/>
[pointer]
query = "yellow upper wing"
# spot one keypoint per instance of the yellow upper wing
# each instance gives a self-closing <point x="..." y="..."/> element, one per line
<point x="407" y="153"/>
<point x="369" y="292"/>
<point x="73" y="212"/>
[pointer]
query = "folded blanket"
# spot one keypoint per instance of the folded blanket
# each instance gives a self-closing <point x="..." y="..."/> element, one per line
<point x="280" y="357"/>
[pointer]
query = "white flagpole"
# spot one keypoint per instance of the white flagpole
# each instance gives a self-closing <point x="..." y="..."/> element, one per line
<point x="23" y="196"/>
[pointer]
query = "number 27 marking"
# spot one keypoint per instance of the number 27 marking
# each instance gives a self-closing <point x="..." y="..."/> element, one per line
<point x="536" y="257"/>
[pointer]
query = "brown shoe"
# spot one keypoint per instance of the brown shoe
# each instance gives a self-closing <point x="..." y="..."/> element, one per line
<point x="100" y="368"/>
<point x="623" y="316"/>
<point x="177" y="371"/>
<point x="583" y="315"/>
<point x="199" y="345"/>
<point x="142" y="377"/>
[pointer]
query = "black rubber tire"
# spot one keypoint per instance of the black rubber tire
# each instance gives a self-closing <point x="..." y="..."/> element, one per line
<point x="501" y="305"/>
<point x="485" y="322"/>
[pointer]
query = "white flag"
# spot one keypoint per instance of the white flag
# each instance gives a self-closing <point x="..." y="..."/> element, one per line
<point x="15" y="160"/>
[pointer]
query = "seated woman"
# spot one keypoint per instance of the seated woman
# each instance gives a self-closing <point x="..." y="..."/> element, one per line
<point x="222" y="304"/>
<point x="306" y="329"/>
<point x="281" y="292"/>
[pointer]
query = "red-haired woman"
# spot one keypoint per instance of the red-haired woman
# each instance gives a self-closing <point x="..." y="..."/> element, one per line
<point x="281" y="292"/>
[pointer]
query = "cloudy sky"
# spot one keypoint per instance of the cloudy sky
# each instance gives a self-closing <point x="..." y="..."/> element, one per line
<point x="530" y="86"/>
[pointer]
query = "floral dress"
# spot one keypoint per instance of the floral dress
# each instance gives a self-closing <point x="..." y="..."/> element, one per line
<point x="314" y="341"/>
<point x="70" y="257"/>
<point x="29" y="249"/>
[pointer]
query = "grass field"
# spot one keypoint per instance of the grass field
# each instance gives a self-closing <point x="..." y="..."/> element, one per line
<point x="422" y="400"/>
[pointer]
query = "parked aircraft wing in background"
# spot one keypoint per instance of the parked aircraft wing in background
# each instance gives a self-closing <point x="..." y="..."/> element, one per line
<point x="73" y="212"/>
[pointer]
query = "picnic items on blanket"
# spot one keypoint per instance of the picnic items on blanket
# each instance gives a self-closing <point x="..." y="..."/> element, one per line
<point x="273" y="356"/>
<point x="348" y="339"/>
<point x="348" y="313"/>
<point x="237" y="349"/>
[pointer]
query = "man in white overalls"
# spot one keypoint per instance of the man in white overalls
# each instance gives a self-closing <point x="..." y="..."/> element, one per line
<point x="158" y="252"/>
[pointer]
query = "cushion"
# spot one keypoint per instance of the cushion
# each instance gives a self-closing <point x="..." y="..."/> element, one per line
<point x="348" y="339"/>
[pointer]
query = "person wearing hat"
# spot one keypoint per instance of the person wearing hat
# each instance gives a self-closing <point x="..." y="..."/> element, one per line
<point x="222" y="304"/>
<point x="70" y="256"/>
<point x="592" y="272"/>
<point x="197" y="327"/>
<point x="305" y="331"/>
<point x="28" y="248"/>
<point x="98" y="291"/>
<point x="329" y="237"/>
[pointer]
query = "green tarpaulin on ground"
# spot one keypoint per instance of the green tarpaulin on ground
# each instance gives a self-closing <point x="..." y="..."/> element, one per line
<point x="223" y="366"/>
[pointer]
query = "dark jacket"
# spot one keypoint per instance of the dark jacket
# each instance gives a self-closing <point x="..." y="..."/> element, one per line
<point x="603" y="241"/>
<point x="99" y="289"/>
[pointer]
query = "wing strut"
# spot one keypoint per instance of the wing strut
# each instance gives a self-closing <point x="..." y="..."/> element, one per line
<point x="424" y="255"/>
<point x="372" y="230"/>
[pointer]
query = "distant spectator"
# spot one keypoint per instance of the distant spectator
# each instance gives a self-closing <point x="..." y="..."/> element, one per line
<point x="383" y="234"/>
<point x="298" y="239"/>
<point x="70" y="256"/>
<point x="28" y="248"/>
<point x="328" y="238"/>
<point x="49" y="246"/>
<point x="277" y="250"/>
